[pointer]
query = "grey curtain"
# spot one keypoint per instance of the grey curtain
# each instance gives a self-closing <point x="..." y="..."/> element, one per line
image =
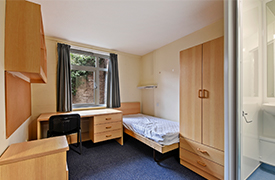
<point x="113" y="94"/>
<point x="64" y="91"/>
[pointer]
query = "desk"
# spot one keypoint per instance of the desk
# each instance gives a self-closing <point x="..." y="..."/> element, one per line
<point x="38" y="159"/>
<point x="101" y="125"/>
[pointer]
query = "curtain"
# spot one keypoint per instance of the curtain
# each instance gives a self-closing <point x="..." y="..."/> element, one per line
<point x="64" y="91"/>
<point x="113" y="94"/>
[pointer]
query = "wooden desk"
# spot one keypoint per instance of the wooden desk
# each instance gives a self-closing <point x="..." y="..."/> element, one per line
<point x="38" y="159"/>
<point x="102" y="124"/>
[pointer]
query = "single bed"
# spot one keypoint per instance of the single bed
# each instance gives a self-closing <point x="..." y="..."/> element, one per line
<point x="160" y="134"/>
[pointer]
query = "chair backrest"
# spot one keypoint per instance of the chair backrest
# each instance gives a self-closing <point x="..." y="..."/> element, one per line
<point x="64" y="124"/>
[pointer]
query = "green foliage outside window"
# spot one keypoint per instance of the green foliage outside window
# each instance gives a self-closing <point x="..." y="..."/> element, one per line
<point x="80" y="60"/>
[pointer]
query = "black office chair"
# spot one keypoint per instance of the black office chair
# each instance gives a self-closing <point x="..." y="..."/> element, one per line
<point x="65" y="124"/>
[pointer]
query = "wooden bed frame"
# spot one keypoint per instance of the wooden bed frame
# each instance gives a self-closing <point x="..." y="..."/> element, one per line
<point x="134" y="108"/>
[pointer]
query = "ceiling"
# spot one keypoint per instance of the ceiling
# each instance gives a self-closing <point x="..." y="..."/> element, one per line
<point x="135" y="27"/>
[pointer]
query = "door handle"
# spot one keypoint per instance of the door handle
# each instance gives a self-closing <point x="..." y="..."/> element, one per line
<point x="205" y="93"/>
<point x="244" y="114"/>
<point x="202" y="151"/>
<point x="200" y="95"/>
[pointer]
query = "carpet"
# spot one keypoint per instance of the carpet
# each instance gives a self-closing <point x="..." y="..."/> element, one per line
<point x="134" y="160"/>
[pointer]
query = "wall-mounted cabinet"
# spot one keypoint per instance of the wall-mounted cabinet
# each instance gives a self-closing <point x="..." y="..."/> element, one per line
<point x="25" y="50"/>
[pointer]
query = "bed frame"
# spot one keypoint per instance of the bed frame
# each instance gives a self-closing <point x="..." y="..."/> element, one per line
<point x="134" y="108"/>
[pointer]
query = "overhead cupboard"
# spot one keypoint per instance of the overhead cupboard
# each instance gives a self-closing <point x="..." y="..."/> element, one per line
<point x="202" y="109"/>
<point x="25" y="50"/>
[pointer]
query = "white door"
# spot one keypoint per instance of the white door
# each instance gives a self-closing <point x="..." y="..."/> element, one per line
<point x="250" y="20"/>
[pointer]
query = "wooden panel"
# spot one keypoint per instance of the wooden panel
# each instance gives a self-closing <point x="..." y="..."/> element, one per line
<point x="107" y="135"/>
<point x="50" y="167"/>
<point x="107" y="118"/>
<point x="130" y="108"/>
<point x="202" y="150"/>
<point x="32" y="22"/>
<point x="72" y="138"/>
<point x="22" y="22"/>
<point x="107" y="127"/>
<point x="197" y="170"/>
<point x="213" y="104"/>
<point x="33" y="149"/>
<point x="151" y="143"/>
<point x="190" y="84"/>
<point x="18" y="102"/>
<point x="14" y="33"/>
<point x="23" y="36"/>
<point x="202" y="163"/>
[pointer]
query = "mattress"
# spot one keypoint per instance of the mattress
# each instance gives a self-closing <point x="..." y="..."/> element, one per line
<point x="160" y="130"/>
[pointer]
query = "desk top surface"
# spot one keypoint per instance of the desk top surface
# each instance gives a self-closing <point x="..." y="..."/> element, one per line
<point x="33" y="149"/>
<point x="87" y="113"/>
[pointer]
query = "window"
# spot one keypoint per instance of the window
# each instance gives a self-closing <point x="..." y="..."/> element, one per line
<point x="89" y="78"/>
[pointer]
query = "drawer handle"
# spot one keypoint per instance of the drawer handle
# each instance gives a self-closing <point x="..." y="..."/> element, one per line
<point x="202" y="151"/>
<point x="108" y="119"/>
<point x="201" y="163"/>
<point x="108" y="127"/>
<point x="108" y="135"/>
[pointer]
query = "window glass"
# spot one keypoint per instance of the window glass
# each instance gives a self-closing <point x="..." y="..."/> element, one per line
<point x="82" y="60"/>
<point x="83" y="87"/>
<point x="103" y="62"/>
<point x="89" y="79"/>
<point x="102" y="87"/>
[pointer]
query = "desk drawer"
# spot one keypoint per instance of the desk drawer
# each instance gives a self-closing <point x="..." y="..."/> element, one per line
<point x="202" y="150"/>
<point x="202" y="163"/>
<point x="107" y="127"/>
<point x="107" y="135"/>
<point x="107" y="118"/>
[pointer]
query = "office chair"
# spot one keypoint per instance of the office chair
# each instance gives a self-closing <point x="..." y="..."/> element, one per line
<point x="65" y="124"/>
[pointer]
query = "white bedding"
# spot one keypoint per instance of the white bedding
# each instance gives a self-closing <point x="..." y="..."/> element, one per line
<point x="162" y="131"/>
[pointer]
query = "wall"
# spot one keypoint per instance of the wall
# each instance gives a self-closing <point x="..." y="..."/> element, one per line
<point x="44" y="95"/>
<point x="21" y="134"/>
<point x="161" y="67"/>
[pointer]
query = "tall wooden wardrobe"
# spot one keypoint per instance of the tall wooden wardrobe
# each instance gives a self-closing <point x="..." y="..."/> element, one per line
<point x="202" y="109"/>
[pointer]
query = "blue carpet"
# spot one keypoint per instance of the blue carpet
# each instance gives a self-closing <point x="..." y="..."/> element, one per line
<point x="109" y="160"/>
<point x="264" y="172"/>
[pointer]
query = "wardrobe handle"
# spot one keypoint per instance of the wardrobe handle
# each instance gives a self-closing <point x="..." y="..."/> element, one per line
<point x="108" y="119"/>
<point x="108" y="135"/>
<point x="200" y="95"/>
<point x="202" y="151"/>
<point x="201" y="163"/>
<point x="108" y="127"/>
<point x="205" y="93"/>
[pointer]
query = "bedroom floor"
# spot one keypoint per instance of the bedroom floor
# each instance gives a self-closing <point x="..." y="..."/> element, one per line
<point x="133" y="160"/>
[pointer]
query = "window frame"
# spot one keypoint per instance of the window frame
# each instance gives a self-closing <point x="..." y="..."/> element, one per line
<point x="96" y="71"/>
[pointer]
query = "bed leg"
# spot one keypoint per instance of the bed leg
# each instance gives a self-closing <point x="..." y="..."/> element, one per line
<point x="159" y="160"/>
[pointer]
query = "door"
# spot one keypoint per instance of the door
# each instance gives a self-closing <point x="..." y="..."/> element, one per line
<point x="251" y="59"/>
<point x="213" y="88"/>
<point x="190" y="89"/>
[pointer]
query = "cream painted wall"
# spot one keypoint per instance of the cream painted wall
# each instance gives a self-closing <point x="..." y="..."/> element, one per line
<point x="161" y="67"/>
<point x="129" y="76"/>
<point x="21" y="134"/>
<point x="44" y="95"/>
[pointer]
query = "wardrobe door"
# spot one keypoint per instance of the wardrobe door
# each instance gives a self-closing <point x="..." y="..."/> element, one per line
<point x="190" y="85"/>
<point x="213" y="103"/>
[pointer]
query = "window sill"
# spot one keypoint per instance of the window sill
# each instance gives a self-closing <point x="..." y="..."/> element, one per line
<point x="80" y="108"/>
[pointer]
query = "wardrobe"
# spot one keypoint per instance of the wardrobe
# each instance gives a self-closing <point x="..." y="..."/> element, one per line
<point x="202" y="108"/>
